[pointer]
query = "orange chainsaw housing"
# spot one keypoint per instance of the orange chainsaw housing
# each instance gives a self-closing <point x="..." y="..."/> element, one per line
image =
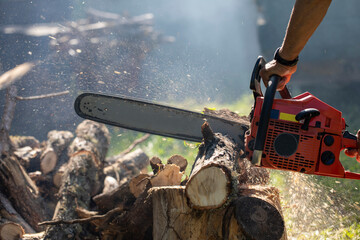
<point x="288" y="146"/>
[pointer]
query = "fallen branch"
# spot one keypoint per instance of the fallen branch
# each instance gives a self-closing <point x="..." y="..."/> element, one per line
<point x="43" y="96"/>
<point x="9" y="110"/>
<point x="108" y="215"/>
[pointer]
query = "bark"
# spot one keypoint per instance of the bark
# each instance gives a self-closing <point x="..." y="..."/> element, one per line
<point x="127" y="166"/>
<point x="8" y="115"/>
<point x="8" y="212"/>
<point x="81" y="179"/>
<point x="135" y="223"/>
<point x="29" y="158"/>
<point x="24" y="141"/>
<point x="119" y="197"/>
<point x="213" y="177"/>
<point x="24" y="194"/>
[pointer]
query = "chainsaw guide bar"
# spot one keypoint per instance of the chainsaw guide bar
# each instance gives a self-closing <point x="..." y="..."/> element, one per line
<point x="153" y="118"/>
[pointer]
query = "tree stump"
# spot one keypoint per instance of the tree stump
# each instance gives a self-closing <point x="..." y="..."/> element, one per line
<point x="81" y="179"/>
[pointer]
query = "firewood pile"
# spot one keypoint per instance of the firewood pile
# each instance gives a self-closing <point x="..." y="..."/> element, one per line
<point x="66" y="188"/>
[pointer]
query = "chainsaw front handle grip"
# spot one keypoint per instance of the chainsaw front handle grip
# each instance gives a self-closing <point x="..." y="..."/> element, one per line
<point x="264" y="119"/>
<point x="255" y="81"/>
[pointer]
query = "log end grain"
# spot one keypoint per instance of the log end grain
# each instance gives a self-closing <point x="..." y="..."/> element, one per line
<point x="259" y="219"/>
<point x="209" y="188"/>
<point x="48" y="161"/>
<point x="179" y="161"/>
<point x="169" y="176"/>
<point x="11" y="231"/>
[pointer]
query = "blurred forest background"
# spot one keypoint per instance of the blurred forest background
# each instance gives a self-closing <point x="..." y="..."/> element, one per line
<point x="177" y="51"/>
<point x="188" y="54"/>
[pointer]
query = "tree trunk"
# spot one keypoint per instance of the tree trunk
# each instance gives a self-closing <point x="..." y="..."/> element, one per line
<point x="81" y="179"/>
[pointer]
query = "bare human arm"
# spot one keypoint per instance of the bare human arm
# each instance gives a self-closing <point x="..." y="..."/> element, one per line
<point x="306" y="16"/>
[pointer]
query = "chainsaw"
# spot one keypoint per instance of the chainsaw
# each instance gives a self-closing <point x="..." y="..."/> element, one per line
<point x="301" y="134"/>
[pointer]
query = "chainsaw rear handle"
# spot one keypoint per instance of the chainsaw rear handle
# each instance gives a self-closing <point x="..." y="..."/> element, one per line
<point x="264" y="119"/>
<point x="255" y="81"/>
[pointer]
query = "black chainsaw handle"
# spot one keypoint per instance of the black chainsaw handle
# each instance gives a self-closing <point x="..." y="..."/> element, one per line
<point x="264" y="119"/>
<point x="255" y="81"/>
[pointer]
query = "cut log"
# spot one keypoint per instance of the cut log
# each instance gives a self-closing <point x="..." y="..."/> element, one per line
<point x="156" y="164"/>
<point x="254" y="215"/>
<point x="128" y="166"/>
<point x="213" y="177"/>
<point x="138" y="184"/>
<point x="81" y="179"/>
<point x="8" y="212"/>
<point x="173" y="218"/>
<point x="11" y="231"/>
<point x="179" y="161"/>
<point x="125" y="195"/>
<point x="258" y="213"/>
<point x="169" y="176"/>
<point x="57" y="142"/>
<point x="24" y="194"/>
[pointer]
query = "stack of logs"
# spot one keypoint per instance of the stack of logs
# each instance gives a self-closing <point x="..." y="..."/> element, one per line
<point x="66" y="188"/>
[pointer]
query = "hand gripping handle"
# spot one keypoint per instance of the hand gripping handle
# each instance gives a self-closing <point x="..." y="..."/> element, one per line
<point x="255" y="81"/>
<point x="264" y="119"/>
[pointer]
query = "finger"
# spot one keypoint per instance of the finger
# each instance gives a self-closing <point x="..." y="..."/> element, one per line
<point x="264" y="76"/>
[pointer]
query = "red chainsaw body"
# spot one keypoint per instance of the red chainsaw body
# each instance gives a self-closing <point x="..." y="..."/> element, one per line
<point x="287" y="146"/>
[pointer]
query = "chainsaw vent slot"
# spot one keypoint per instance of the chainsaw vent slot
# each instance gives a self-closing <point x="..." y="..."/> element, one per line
<point x="297" y="161"/>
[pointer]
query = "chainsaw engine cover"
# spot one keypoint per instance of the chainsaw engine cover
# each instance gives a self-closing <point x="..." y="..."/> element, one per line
<point x="304" y="135"/>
